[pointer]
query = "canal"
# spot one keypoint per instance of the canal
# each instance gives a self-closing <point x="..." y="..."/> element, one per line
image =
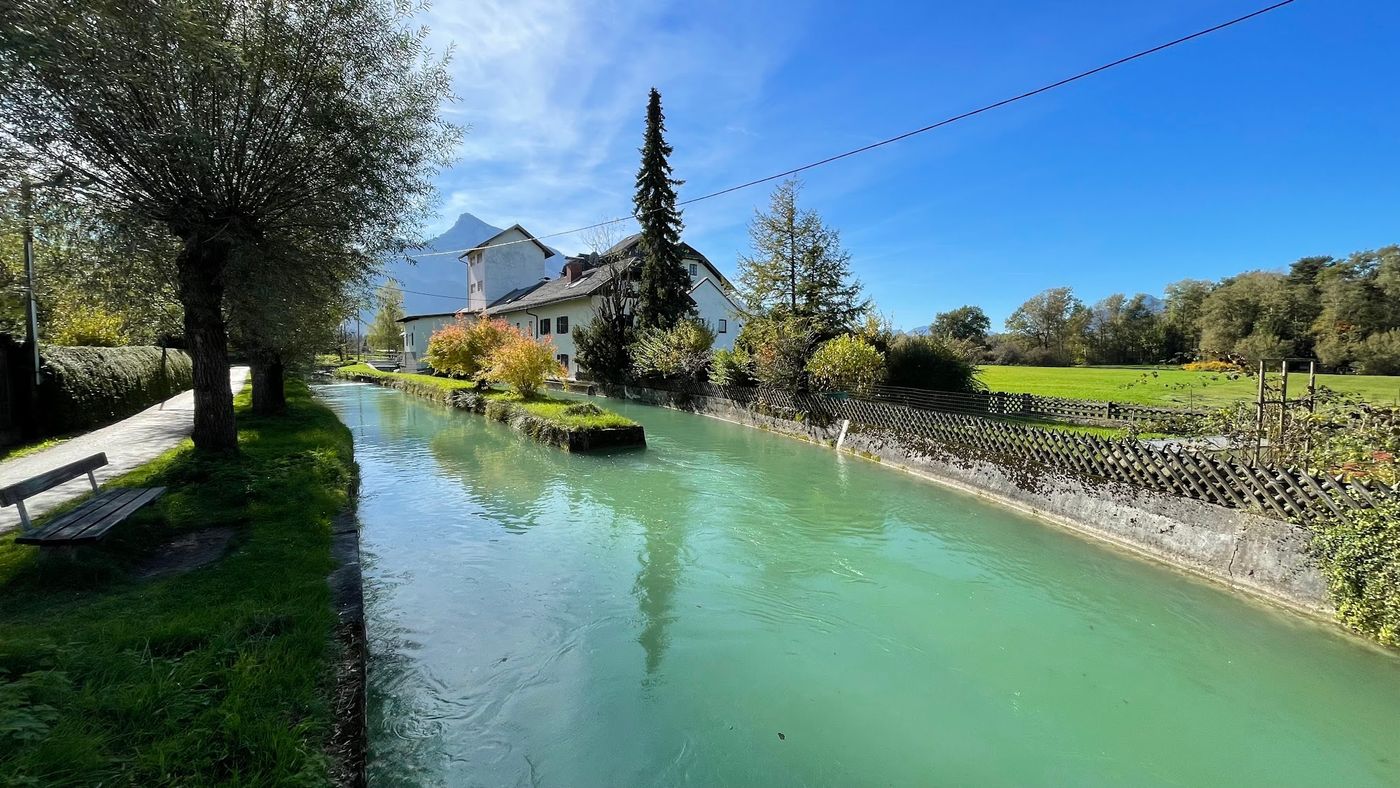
<point x="730" y="607"/>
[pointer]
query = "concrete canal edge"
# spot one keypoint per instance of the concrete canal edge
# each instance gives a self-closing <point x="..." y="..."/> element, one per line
<point x="1261" y="557"/>
<point x="349" y="746"/>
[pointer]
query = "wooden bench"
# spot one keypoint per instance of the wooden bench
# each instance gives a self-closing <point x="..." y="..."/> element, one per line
<point x="99" y="514"/>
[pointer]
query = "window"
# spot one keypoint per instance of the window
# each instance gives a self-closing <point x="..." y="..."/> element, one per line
<point x="544" y="326"/>
<point x="561" y="325"/>
<point x="723" y="326"/>
<point x="694" y="269"/>
<point x="563" y="360"/>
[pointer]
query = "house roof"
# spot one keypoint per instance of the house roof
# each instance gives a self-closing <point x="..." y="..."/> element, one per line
<point x="407" y="318"/>
<point x="724" y="291"/>
<point x="630" y="247"/>
<point x="554" y="290"/>
<point x="547" y="251"/>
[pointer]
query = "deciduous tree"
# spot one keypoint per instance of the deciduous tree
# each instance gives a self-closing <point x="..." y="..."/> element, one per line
<point x="1051" y="323"/>
<point x="229" y="122"/>
<point x="385" y="332"/>
<point x="966" y="324"/>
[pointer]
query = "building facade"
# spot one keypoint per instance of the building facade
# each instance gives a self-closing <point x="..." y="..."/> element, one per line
<point x="552" y="308"/>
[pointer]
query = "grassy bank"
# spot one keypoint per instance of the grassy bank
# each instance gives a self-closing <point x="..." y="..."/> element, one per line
<point x="564" y="413"/>
<point x="1167" y="386"/>
<point x="222" y="674"/>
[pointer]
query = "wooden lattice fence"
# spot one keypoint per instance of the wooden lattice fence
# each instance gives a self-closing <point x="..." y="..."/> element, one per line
<point x="1285" y="493"/>
<point x="1005" y="403"/>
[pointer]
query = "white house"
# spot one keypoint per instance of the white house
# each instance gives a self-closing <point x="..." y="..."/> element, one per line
<point x="553" y="307"/>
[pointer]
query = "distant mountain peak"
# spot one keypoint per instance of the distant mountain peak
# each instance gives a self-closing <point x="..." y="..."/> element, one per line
<point x="433" y="279"/>
<point x="466" y="232"/>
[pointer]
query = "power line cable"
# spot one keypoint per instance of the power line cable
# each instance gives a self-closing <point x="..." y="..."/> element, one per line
<point x="924" y="129"/>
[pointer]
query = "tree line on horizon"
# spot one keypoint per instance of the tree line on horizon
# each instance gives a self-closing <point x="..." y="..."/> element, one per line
<point x="1342" y="311"/>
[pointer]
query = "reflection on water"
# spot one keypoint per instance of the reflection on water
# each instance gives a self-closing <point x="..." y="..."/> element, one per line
<point x="659" y="617"/>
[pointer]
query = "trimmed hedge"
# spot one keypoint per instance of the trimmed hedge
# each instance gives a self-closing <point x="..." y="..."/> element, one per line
<point x="89" y="387"/>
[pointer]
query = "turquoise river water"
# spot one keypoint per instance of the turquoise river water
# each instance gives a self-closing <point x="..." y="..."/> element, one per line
<point x="731" y="607"/>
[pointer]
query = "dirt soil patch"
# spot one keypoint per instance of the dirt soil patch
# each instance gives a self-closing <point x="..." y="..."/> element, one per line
<point x="187" y="553"/>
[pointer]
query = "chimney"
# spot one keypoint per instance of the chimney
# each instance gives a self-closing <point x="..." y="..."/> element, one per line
<point x="573" y="269"/>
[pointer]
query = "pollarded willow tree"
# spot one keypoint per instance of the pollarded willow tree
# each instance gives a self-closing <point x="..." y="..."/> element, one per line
<point x="229" y="123"/>
<point x="278" y="328"/>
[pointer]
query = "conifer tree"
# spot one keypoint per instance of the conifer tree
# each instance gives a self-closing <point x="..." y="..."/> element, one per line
<point x="798" y="268"/>
<point x="662" y="298"/>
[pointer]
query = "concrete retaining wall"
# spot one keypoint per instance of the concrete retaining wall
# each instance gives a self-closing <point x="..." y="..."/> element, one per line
<point x="1261" y="556"/>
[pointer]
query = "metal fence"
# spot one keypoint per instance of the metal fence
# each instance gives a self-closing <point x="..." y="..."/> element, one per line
<point x="1286" y="493"/>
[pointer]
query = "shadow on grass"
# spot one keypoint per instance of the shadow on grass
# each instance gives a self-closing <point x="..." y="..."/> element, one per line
<point x="216" y="675"/>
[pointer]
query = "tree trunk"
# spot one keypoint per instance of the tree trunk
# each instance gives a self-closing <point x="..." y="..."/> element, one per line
<point x="269" y="387"/>
<point x="201" y="265"/>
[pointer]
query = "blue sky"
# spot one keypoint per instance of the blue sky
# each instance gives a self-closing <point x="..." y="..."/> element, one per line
<point x="1250" y="148"/>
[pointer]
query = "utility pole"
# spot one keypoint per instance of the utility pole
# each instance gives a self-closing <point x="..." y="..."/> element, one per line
<point x="31" y="310"/>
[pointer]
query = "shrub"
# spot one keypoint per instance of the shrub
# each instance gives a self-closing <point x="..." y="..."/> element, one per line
<point x="929" y="363"/>
<point x="463" y="348"/>
<point x="846" y="363"/>
<point x="88" y="387"/>
<point x="1005" y="350"/>
<point x="1379" y="354"/>
<point x="779" y="348"/>
<point x="1262" y="345"/>
<point x="523" y="363"/>
<point x="1360" y="553"/>
<point x="731" y="367"/>
<point x="679" y="353"/>
<point x="1212" y="366"/>
<point x="86" y="327"/>
<point x="604" y="350"/>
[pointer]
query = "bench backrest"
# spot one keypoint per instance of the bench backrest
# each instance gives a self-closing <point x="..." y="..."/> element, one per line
<point x="9" y="496"/>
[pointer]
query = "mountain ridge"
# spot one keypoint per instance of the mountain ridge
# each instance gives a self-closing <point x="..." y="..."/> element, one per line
<point x="438" y="283"/>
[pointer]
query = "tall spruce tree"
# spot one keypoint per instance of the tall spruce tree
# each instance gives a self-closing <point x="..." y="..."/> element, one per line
<point x="798" y="267"/>
<point x="662" y="298"/>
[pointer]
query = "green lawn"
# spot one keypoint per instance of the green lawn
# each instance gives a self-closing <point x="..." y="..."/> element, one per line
<point x="221" y="675"/>
<point x="1168" y="386"/>
<point x="541" y="405"/>
<point x="26" y="449"/>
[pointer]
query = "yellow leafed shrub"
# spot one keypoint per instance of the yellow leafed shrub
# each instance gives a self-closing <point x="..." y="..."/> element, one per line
<point x="523" y="363"/>
<point x="1212" y="366"/>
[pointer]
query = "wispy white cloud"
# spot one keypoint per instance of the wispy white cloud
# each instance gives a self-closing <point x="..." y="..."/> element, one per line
<point x="554" y="93"/>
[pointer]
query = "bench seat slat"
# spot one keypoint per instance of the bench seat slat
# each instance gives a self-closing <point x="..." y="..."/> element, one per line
<point x="99" y="500"/>
<point x="95" y="510"/>
<point x="95" y="518"/>
<point x="97" y="530"/>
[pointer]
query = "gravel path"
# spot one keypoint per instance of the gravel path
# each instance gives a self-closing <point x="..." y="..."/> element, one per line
<point x="128" y="444"/>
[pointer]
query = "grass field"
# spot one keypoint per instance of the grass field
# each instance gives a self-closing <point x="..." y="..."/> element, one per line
<point x="1168" y="386"/>
<point x="219" y="676"/>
